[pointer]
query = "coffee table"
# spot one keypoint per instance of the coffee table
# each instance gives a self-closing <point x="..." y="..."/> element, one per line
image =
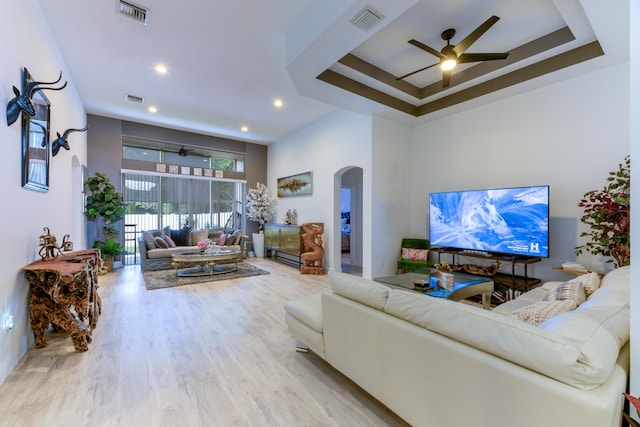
<point x="427" y="281"/>
<point x="205" y="264"/>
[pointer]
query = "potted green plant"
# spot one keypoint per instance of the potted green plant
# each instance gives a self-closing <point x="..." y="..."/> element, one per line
<point x="606" y="212"/>
<point x="260" y="209"/>
<point x="109" y="249"/>
<point x="106" y="206"/>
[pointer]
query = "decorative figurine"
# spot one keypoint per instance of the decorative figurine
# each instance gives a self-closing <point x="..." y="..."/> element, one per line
<point x="288" y="218"/>
<point x="49" y="245"/>
<point x="62" y="141"/>
<point x="23" y="102"/>
<point x="67" y="244"/>
<point x="312" y="238"/>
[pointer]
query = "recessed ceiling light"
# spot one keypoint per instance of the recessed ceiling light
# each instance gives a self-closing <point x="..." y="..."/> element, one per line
<point x="161" y="69"/>
<point x="153" y="109"/>
<point x="277" y="103"/>
<point x="244" y="129"/>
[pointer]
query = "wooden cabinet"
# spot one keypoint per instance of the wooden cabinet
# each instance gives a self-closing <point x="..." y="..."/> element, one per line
<point x="283" y="242"/>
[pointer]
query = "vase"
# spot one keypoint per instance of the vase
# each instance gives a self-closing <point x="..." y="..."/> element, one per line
<point x="258" y="244"/>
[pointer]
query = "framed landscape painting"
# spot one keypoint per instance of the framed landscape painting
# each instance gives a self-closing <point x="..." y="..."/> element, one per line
<point x="295" y="185"/>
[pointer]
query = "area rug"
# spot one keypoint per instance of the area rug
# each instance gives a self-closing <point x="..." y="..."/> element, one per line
<point x="168" y="279"/>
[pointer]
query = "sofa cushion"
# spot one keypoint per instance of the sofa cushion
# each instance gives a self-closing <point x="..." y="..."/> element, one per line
<point x="149" y="240"/>
<point x="568" y="291"/>
<point x="541" y="349"/>
<point x="159" y="253"/>
<point x="182" y="237"/>
<point x="234" y="238"/>
<point x="161" y="243"/>
<point x="543" y="310"/>
<point x="199" y="236"/>
<point x="308" y="310"/>
<point x="358" y="289"/>
<point x="415" y="254"/>
<point x="169" y="241"/>
<point x="589" y="281"/>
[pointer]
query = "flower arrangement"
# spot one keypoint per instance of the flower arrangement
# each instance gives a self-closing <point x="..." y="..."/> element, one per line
<point x="607" y="211"/>
<point x="260" y="207"/>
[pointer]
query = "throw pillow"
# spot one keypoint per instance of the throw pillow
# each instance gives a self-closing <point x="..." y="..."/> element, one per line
<point x="590" y="282"/>
<point x="543" y="310"/>
<point x="222" y="239"/>
<point x="169" y="241"/>
<point x="415" y="254"/>
<point x="182" y="237"/>
<point x="149" y="240"/>
<point x="234" y="238"/>
<point x="199" y="236"/>
<point x="161" y="243"/>
<point x="572" y="291"/>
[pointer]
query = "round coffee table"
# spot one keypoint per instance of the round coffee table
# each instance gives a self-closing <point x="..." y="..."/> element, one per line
<point x="189" y="264"/>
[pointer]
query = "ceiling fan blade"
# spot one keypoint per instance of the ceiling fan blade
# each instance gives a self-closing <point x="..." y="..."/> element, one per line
<point x="416" y="72"/>
<point x="424" y="47"/>
<point x="475" y="35"/>
<point x="446" y="78"/>
<point x="475" y="57"/>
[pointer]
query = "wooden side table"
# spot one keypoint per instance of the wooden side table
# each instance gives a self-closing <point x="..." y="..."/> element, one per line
<point x="64" y="293"/>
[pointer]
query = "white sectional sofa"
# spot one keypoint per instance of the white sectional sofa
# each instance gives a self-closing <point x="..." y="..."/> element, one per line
<point x="440" y="363"/>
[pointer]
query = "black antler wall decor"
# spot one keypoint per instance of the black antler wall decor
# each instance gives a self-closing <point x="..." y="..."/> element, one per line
<point x="62" y="141"/>
<point x="23" y="103"/>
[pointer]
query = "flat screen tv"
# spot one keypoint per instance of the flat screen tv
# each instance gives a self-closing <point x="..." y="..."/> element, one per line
<point x="512" y="221"/>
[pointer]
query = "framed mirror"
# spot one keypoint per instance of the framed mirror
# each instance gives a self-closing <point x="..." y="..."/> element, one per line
<point x="35" y="141"/>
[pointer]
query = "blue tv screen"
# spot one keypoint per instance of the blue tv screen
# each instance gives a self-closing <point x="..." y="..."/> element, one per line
<point x="512" y="221"/>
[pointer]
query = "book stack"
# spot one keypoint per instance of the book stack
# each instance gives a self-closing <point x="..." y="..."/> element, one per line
<point x="574" y="266"/>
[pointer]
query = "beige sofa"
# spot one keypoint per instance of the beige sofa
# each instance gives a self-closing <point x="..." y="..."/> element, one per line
<point x="441" y="363"/>
<point x="155" y="250"/>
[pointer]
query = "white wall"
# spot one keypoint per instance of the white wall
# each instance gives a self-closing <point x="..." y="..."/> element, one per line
<point x="569" y="135"/>
<point x="391" y="194"/>
<point x="25" y="41"/>
<point x="326" y="148"/>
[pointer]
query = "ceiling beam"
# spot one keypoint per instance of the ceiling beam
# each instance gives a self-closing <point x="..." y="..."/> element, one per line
<point x="353" y="86"/>
<point x="555" y="63"/>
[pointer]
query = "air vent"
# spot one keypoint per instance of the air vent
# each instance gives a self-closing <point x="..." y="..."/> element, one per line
<point x="133" y="98"/>
<point x="137" y="13"/>
<point x="367" y="18"/>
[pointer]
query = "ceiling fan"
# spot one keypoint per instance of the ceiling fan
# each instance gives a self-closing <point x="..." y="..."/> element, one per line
<point x="183" y="152"/>
<point x="451" y="55"/>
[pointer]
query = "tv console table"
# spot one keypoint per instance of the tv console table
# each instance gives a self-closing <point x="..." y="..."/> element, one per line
<point x="514" y="283"/>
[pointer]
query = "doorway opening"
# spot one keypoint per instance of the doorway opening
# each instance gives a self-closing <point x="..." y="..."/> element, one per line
<point x="350" y="221"/>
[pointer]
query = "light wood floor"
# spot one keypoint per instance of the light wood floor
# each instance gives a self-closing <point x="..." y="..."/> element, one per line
<point x="216" y="354"/>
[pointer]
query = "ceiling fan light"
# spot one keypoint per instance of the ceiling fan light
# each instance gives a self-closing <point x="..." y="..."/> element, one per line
<point x="448" y="64"/>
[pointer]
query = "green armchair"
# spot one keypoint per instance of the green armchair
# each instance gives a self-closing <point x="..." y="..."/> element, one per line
<point x="414" y="254"/>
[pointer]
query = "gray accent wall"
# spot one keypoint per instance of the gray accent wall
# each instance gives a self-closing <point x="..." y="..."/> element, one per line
<point x="104" y="151"/>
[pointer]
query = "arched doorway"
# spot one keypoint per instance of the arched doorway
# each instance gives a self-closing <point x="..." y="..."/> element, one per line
<point x="348" y="220"/>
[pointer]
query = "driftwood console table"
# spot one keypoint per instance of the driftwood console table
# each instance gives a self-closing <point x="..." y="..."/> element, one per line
<point x="64" y="293"/>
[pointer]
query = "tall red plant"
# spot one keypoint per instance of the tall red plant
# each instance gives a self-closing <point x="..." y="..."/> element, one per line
<point x="606" y="212"/>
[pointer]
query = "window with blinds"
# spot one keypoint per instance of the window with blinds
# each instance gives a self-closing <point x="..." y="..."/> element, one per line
<point x="156" y="201"/>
